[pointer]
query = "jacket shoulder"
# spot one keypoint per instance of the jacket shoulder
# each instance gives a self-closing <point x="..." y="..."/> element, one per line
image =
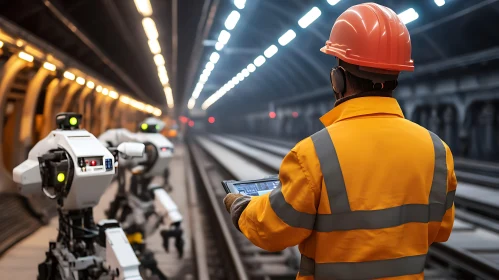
<point x="307" y="157"/>
<point x="304" y="146"/>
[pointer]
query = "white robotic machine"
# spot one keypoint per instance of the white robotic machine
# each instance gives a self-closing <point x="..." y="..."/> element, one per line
<point x="145" y="206"/>
<point x="159" y="150"/>
<point x="72" y="167"/>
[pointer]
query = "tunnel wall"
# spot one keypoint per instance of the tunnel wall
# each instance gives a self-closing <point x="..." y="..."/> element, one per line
<point x="462" y="109"/>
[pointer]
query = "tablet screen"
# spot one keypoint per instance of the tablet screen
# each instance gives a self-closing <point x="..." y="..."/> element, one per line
<point x="256" y="188"/>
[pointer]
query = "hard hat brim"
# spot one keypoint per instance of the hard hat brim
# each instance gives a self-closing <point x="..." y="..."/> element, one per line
<point x="345" y="56"/>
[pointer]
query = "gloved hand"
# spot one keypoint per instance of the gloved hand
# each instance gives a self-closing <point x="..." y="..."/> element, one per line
<point x="229" y="200"/>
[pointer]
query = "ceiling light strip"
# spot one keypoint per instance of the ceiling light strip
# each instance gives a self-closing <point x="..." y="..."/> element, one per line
<point x="223" y="39"/>
<point x="145" y="9"/>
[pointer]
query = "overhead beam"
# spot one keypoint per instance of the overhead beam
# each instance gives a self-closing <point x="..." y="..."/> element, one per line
<point x="455" y="62"/>
<point x="451" y="17"/>
<point x="174" y="41"/>
<point x="434" y="45"/>
<point x="59" y="14"/>
<point x="207" y="18"/>
<point x="123" y="30"/>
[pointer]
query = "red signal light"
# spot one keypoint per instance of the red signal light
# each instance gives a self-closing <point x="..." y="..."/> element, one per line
<point x="93" y="163"/>
<point x="295" y="114"/>
<point x="183" y="119"/>
<point x="211" y="119"/>
<point x="191" y="123"/>
<point x="272" y="115"/>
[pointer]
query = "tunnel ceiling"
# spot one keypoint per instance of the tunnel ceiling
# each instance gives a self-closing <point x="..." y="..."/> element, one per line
<point x="440" y="34"/>
<point x="114" y="26"/>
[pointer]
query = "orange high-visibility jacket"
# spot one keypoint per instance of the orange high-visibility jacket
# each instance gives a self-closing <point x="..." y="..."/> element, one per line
<point x="364" y="198"/>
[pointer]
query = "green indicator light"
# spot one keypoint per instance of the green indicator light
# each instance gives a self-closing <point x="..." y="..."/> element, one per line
<point x="157" y="127"/>
<point x="61" y="177"/>
<point x="144" y="126"/>
<point x="73" y="121"/>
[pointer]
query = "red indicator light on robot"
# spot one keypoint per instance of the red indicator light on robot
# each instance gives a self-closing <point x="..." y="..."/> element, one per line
<point x="93" y="163"/>
<point x="163" y="149"/>
<point x="295" y="114"/>
<point x="211" y="120"/>
<point x="272" y="115"/>
<point x="191" y="123"/>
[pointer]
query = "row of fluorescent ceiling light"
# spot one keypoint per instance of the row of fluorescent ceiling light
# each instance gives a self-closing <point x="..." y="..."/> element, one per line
<point x="24" y="55"/>
<point x="406" y="17"/>
<point x="223" y="39"/>
<point x="145" y="9"/>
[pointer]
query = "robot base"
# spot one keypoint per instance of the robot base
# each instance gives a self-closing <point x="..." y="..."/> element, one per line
<point x="60" y="264"/>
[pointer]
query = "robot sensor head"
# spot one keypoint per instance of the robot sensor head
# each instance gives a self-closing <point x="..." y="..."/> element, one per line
<point x="148" y="128"/>
<point x="151" y="125"/>
<point x="68" y="121"/>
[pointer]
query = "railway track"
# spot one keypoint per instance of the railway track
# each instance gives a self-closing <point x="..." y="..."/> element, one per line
<point x="472" y="252"/>
<point x="228" y="254"/>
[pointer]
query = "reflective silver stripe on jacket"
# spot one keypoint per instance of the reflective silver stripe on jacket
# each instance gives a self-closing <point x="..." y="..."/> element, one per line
<point x="342" y="218"/>
<point x="331" y="171"/>
<point x="374" y="219"/>
<point x="362" y="270"/>
<point x="287" y="213"/>
<point x="438" y="192"/>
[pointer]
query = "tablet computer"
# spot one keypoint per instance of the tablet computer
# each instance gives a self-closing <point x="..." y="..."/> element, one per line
<point x="252" y="187"/>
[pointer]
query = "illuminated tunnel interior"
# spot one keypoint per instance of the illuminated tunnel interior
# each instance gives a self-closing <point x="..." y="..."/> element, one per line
<point x="129" y="128"/>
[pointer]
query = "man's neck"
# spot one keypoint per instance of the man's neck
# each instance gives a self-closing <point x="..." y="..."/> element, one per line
<point x="362" y="94"/>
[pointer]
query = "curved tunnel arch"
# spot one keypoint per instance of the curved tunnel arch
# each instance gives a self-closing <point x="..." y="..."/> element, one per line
<point x="82" y="105"/>
<point x="10" y="70"/>
<point x="96" y="113"/>
<point x="56" y="89"/>
<point x="87" y="115"/>
<point x="70" y="95"/>
<point x="33" y="92"/>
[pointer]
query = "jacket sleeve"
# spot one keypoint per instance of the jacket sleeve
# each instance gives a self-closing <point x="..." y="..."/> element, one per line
<point x="286" y="216"/>
<point x="448" y="220"/>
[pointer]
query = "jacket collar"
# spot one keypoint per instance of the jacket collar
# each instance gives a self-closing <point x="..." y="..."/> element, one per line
<point x="367" y="105"/>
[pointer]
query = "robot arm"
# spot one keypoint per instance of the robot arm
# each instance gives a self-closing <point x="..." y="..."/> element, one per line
<point x="168" y="207"/>
<point x="128" y="150"/>
<point x="120" y="257"/>
<point x="114" y="137"/>
<point x="27" y="175"/>
<point x="173" y="217"/>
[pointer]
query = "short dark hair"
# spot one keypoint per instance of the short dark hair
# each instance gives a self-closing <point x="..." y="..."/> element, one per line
<point x="358" y="83"/>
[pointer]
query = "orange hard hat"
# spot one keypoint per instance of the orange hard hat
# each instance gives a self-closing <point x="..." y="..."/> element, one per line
<point x="372" y="36"/>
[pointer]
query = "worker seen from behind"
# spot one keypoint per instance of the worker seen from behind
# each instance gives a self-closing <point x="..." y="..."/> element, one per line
<point x="365" y="197"/>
